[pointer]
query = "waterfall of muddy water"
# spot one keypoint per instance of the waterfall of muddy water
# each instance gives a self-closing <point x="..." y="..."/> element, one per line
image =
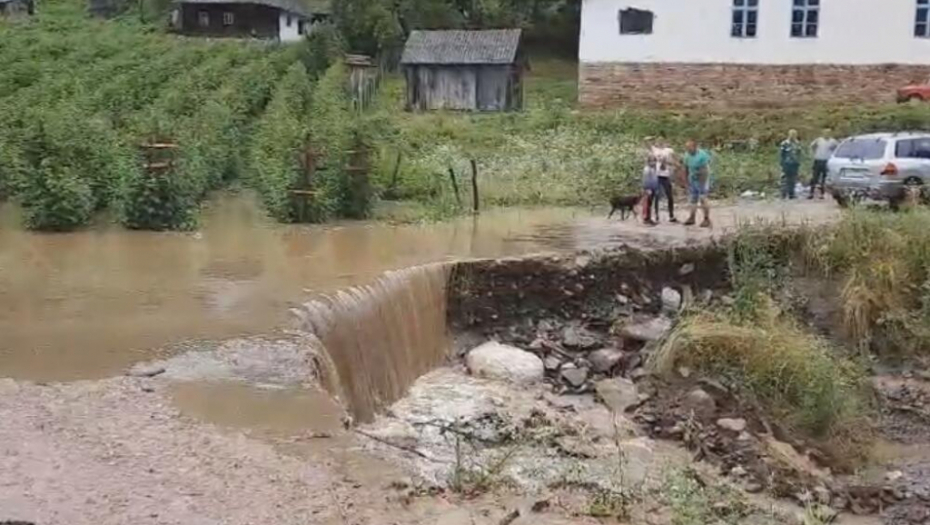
<point x="383" y="336"/>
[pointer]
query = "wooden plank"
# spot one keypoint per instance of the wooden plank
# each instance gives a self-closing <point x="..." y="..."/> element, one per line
<point x="158" y="165"/>
<point x="160" y="145"/>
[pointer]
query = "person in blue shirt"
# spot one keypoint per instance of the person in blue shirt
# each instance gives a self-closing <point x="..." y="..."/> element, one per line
<point x="697" y="163"/>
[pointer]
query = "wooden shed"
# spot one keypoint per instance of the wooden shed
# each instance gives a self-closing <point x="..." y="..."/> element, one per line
<point x="464" y="70"/>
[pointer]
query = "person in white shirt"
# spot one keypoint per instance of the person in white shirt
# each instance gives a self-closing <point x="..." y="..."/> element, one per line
<point x="822" y="149"/>
<point x="665" y="160"/>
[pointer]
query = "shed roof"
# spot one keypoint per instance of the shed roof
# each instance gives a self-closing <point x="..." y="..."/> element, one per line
<point x="301" y="7"/>
<point x="491" y="46"/>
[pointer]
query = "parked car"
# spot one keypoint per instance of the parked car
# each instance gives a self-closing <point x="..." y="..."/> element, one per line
<point x="914" y="92"/>
<point x="881" y="166"/>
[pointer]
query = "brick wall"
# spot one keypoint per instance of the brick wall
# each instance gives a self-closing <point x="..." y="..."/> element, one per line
<point x="689" y="85"/>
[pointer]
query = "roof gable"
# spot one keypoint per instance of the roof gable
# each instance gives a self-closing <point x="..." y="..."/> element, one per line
<point x="492" y="46"/>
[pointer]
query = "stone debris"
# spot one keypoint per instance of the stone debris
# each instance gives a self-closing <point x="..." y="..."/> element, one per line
<point x="646" y="329"/>
<point x="574" y="376"/>
<point x="671" y="301"/>
<point x="700" y="403"/>
<point x="605" y="359"/>
<point x="494" y="360"/>
<point x="733" y="425"/>
<point x="618" y="394"/>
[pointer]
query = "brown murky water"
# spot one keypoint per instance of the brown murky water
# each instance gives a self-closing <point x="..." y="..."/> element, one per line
<point x="89" y="304"/>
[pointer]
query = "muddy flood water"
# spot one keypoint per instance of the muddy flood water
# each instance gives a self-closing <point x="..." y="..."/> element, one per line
<point x="87" y="305"/>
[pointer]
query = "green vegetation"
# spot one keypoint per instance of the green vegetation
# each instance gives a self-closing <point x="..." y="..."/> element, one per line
<point x="554" y="153"/>
<point x="804" y="381"/>
<point x="118" y="115"/>
<point x="882" y="264"/>
<point x="694" y="502"/>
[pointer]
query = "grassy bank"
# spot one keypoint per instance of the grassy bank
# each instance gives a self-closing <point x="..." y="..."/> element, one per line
<point x="758" y="340"/>
<point x="555" y="153"/>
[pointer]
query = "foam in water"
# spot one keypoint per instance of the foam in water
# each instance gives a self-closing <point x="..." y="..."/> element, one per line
<point x="381" y="337"/>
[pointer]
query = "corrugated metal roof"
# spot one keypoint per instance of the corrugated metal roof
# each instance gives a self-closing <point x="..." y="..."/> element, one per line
<point x="491" y="46"/>
<point x="305" y="8"/>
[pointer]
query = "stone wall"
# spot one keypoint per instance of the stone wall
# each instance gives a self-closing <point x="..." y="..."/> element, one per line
<point x="734" y="85"/>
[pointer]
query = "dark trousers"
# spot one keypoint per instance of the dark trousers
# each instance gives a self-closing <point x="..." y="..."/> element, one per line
<point x="665" y="188"/>
<point x="789" y="180"/>
<point x="819" y="177"/>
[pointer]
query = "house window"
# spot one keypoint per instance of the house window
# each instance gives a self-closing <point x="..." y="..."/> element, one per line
<point x="203" y="19"/>
<point x="805" y="17"/>
<point x="300" y="27"/>
<point x="288" y="20"/>
<point x="635" y="22"/>
<point x="745" y="18"/>
<point x="229" y="19"/>
<point x="922" y="26"/>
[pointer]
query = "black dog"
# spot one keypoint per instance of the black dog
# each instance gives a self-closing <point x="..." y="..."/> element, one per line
<point x="624" y="204"/>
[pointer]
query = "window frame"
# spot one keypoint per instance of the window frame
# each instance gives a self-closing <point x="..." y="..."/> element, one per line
<point x="229" y="18"/>
<point x="203" y="18"/>
<point x="647" y="28"/>
<point x="744" y="9"/>
<point x="807" y="9"/>
<point x="922" y="27"/>
<point x="913" y="145"/>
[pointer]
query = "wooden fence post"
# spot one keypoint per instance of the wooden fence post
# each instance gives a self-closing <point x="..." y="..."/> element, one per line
<point x="474" y="185"/>
<point x="455" y="186"/>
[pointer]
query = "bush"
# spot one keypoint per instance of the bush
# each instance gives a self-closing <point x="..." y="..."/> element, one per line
<point x="800" y="378"/>
<point x="882" y="261"/>
<point x="56" y="198"/>
<point x="280" y="140"/>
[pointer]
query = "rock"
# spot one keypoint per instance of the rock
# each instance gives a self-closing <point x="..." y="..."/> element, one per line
<point x="605" y="359"/>
<point x="686" y="269"/>
<point x="733" y="425"/>
<point x="638" y="460"/>
<point x="604" y="424"/>
<point x="647" y="330"/>
<point x="622" y="299"/>
<point x="574" y="376"/>
<point x="684" y="372"/>
<point x="699" y="402"/>
<point x="783" y="455"/>
<point x="728" y="300"/>
<point x="496" y="361"/>
<point x="753" y="487"/>
<point x="893" y="476"/>
<point x="618" y="394"/>
<point x="638" y="373"/>
<point x="577" y="336"/>
<point x="744" y="436"/>
<point x="738" y="472"/>
<point x="145" y="370"/>
<point x="552" y="363"/>
<point x="706" y="296"/>
<point x="671" y="300"/>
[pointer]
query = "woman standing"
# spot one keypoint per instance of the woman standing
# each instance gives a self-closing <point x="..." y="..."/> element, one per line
<point x="790" y="157"/>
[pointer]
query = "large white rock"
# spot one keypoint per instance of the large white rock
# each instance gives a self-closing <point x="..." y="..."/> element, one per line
<point x="497" y="361"/>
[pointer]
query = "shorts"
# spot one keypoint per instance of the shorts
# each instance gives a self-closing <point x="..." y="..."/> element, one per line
<point x="698" y="191"/>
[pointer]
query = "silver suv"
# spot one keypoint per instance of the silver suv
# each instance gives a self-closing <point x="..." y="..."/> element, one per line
<point x="879" y="166"/>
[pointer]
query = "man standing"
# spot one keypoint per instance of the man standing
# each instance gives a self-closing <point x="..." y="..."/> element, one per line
<point x="665" y="157"/>
<point x="822" y="149"/>
<point x="697" y="163"/>
<point x="790" y="157"/>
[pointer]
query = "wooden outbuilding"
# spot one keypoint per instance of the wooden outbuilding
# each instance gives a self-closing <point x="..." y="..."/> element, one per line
<point x="464" y="70"/>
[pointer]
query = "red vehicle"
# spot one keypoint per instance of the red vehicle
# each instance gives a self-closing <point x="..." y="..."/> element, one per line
<point x="915" y="93"/>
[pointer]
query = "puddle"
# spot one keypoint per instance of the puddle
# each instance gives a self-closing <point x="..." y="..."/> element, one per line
<point x="273" y="410"/>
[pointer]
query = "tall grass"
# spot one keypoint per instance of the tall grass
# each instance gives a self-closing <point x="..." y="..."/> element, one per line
<point x="882" y="261"/>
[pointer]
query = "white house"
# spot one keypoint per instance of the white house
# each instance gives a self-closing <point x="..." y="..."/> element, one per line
<point x="282" y="20"/>
<point x="750" y="52"/>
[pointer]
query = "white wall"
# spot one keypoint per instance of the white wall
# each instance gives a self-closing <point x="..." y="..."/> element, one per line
<point x="289" y="33"/>
<point x="851" y="32"/>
